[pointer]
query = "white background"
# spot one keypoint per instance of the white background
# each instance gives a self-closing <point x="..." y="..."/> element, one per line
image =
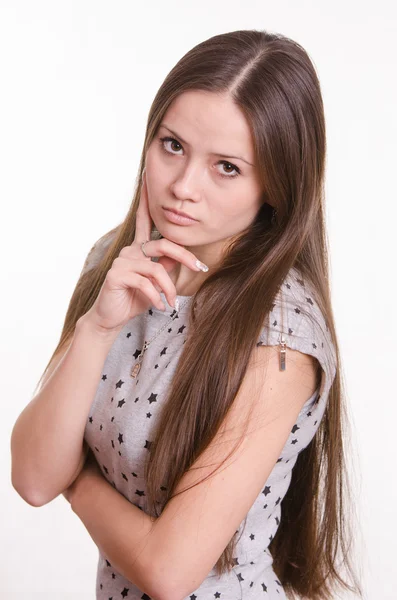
<point x="77" y="80"/>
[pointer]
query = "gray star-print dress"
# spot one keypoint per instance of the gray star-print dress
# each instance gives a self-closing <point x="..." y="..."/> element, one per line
<point x="124" y="412"/>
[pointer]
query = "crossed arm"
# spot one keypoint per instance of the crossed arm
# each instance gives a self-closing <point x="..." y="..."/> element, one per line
<point x="169" y="557"/>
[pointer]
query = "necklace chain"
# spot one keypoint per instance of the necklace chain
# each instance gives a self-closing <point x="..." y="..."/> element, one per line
<point x="136" y="368"/>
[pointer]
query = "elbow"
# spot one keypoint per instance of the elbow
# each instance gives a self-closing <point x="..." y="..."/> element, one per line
<point x="172" y="596"/>
<point x="35" y="494"/>
<point x="169" y="585"/>
<point x="25" y="491"/>
<point x="155" y="581"/>
<point x="30" y="494"/>
<point x="153" y="586"/>
<point x="163" y="594"/>
<point x="20" y="481"/>
<point x="30" y="497"/>
<point x="161" y="587"/>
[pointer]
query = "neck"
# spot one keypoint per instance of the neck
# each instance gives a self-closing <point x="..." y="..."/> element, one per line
<point x="186" y="281"/>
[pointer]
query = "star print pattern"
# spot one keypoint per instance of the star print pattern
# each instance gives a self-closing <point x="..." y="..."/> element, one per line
<point x="124" y="413"/>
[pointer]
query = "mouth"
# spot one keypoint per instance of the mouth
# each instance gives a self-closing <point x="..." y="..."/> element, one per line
<point x="178" y="218"/>
<point x="179" y="212"/>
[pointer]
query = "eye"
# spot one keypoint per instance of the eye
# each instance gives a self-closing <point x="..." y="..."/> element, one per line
<point x="169" y="139"/>
<point x="234" y="168"/>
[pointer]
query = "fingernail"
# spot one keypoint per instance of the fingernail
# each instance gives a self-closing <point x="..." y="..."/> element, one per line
<point x="201" y="266"/>
<point x="176" y="306"/>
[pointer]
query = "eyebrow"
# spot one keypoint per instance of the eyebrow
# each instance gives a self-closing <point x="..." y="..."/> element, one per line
<point x="215" y="153"/>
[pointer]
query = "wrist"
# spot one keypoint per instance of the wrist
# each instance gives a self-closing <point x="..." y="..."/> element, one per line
<point x="85" y="325"/>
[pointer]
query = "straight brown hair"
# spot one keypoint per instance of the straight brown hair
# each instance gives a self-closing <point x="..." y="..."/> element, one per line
<point x="273" y="81"/>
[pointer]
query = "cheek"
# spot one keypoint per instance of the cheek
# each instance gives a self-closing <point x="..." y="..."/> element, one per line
<point x="153" y="157"/>
<point x="232" y="205"/>
<point x="155" y="177"/>
<point x="235" y="209"/>
<point x="159" y="177"/>
<point x="150" y="161"/>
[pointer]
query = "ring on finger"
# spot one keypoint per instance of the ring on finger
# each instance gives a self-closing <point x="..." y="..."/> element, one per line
<point x="143" y="248"/>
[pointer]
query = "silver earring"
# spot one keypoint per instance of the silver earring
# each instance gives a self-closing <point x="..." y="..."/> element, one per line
<point x="273" y="219"/>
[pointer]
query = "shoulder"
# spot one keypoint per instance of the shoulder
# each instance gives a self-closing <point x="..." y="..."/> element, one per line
<point x="97" y="251"/>
<point x="297" y="317"/>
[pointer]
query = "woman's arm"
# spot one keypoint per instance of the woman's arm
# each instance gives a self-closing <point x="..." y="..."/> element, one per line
<point x="47" y="438"/>
<point x="171" y="556"/>
<point x="119" y="529"/>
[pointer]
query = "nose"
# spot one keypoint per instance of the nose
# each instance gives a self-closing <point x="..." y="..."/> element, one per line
<point x="188" y="183"/>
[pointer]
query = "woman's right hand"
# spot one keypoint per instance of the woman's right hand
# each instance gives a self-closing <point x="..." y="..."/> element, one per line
<point x="133" y="282"/>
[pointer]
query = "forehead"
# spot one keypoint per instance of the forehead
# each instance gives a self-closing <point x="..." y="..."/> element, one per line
<point x="210" y="121"/>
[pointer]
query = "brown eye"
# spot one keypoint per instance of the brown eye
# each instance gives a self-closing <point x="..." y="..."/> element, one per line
<point x="228" y="174"/>
<point x="232" y="167"/>
<point x="173" y="141"/>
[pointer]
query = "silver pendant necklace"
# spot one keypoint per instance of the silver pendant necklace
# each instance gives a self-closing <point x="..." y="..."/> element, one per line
<point x="137" y="366"/>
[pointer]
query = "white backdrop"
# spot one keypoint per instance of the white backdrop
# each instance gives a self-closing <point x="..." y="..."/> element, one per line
<point x="77" y="79"/>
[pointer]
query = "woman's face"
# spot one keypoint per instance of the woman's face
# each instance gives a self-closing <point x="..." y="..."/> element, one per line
<point x="202" y="162"/>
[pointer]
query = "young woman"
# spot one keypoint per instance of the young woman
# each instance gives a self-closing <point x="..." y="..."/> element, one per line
<point x="198" y="363"/>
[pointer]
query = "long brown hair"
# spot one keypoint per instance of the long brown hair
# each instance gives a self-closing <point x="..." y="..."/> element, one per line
<point x="273" y="81"/>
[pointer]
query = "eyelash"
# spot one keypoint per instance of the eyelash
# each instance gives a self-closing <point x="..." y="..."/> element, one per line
<point x="171" y="139"/>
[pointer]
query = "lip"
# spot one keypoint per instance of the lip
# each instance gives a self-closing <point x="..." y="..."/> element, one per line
<point x="177" y="218"/>
<point x="180" y="213"/>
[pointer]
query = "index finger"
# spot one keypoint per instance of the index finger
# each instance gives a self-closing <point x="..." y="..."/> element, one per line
<point x="143" y="227"/>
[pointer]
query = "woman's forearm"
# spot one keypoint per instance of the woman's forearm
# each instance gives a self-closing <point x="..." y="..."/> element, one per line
<point x="120" y="529"/>
<point x="47" y="438"/>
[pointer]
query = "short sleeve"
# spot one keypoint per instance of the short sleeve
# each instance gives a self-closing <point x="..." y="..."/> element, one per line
<point x="97" y="251"/>
<point x="296" y="315"/>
